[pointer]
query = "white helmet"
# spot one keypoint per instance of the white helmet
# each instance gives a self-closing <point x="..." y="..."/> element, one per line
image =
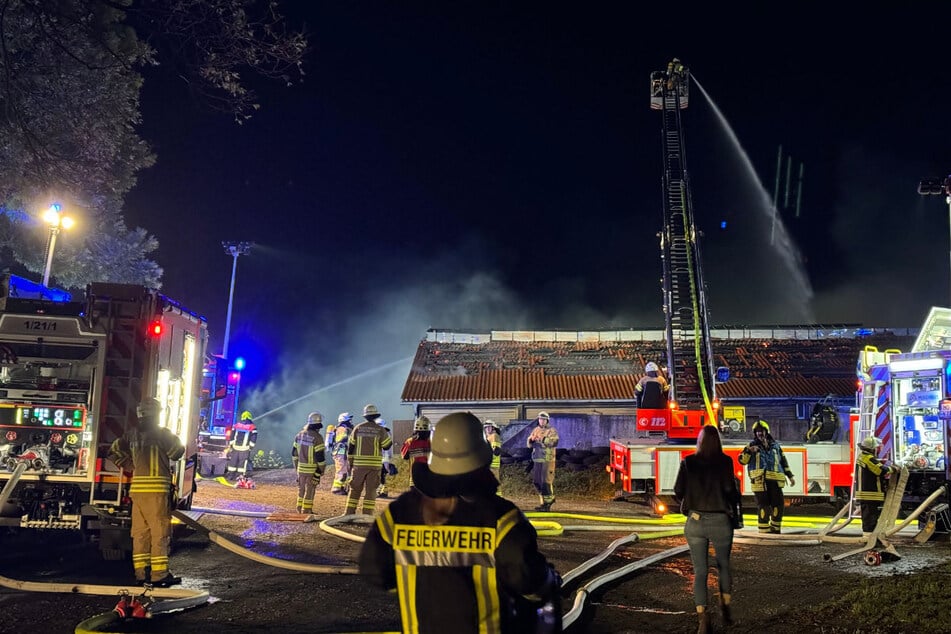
<point x="314" y="417"/>
<point x="422" y="424"/>
<point x="651" y="367"/>
<point x="149" y="407"/>
<point x="370" y="410"/>
<point x="458" y="445"/>
<point x="345" y="417"/>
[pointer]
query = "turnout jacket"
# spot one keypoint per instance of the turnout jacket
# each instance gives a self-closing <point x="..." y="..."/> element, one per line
<point x="146" y="453"/>
<point x="543" y="450"/>
<point x="463" y="576"/>
<point x="308" y="451"/>
<point x="769" y="463"/>
<point x="870" y="478"/>
<point x="366" y="445"/>
<point x="244" y="435"/>
<point x="416" y="449"/>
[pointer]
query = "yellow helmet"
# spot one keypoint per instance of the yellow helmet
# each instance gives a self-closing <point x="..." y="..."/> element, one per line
<point x="458" y="445"/>
<point x="246" y="415"/>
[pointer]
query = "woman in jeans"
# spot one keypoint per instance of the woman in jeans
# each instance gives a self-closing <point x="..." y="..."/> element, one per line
<point x="707" y="490"/>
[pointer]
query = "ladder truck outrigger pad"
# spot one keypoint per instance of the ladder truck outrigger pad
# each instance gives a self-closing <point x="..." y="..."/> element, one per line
<point x="71" y="376"/>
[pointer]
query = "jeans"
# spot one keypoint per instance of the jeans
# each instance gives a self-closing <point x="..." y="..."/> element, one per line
<point x="715" y="528"/>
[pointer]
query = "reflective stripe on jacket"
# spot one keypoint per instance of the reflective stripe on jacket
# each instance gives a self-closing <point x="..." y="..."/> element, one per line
<point x="308" y="450"/>
<point x="243" y="436"/>
<point x="459" y="576"/>
<point x="544" y="450"/>
<point x="769" y="463"/>
<point x="147" y="454"/>
<point x="870" y="478"/>
<point x="366" y="444"/>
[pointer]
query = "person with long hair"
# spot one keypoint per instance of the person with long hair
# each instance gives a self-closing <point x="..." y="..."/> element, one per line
<point x="709" y="497"/>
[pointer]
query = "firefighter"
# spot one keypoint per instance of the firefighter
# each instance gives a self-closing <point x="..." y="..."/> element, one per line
<point x="768" y="471"/>
<point x="652" y="389"/>
<point x="308" y="456"/>
<point x="872" y="474"/>
<point x="388" y="468"/>
<point x="493" y="436"/>
<point x="338" y="450"/>
<point x="365" y="449"/>
<point x="244" y="435"/>
<point x="542" y="441"/>
<point x="146" y="450"/>
<point x="416" y="448"/>
<point x="463" y="559"/>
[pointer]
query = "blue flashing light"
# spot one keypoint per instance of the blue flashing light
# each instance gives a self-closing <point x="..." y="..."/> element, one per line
<point x="24" y="288"/>
<point x="723" y="224"/>
<point x="239" y="363"/>
<point x="56" y="207"/>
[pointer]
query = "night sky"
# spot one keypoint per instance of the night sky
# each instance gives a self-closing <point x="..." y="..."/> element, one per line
<point x="486" y="166"/>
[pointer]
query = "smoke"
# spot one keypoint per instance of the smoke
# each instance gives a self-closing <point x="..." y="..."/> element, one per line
<point x="368" y="356"/>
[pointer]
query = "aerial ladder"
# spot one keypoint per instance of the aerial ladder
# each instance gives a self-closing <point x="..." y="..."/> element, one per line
<point x="692" y="400"/>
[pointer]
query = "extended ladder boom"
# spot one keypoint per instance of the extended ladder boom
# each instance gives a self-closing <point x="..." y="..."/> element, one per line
<point x="689" y="351"/>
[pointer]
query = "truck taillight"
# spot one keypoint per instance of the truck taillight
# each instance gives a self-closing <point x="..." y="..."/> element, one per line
<point x="155" y="328"/>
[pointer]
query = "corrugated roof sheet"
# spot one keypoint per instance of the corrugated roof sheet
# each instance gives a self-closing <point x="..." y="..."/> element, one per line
<point x="600" y="371"/>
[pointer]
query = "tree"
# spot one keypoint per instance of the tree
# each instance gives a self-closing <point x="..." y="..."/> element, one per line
<point x="70" y="76"/>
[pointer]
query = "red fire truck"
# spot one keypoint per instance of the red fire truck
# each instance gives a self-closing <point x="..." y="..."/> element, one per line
<point x="71" y="375"/>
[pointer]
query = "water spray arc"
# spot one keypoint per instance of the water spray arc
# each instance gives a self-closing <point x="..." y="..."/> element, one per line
<point x="783" y="243"/>
<point x="324" y="388"/>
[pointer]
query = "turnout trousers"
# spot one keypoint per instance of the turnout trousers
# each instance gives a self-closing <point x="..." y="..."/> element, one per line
<point x="151" y="534"/>
<point x="365" y="480"/>
<point x="543" y="479"/>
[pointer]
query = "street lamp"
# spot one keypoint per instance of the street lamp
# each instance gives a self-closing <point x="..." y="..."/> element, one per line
<point x="56" y="219"/>
<point x="234" y="249"/>
<point x="937" y="187"/>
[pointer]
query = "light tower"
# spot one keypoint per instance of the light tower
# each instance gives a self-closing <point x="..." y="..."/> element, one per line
<point x="937" y="187"/>
<point x="56" y="219"/>
<point x="234" y="249"/>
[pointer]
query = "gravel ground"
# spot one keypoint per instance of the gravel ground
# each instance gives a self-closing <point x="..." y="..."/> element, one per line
<point x="772" y="583"/>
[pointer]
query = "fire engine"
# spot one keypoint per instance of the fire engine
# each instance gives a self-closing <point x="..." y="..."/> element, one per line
<point x="646" y="465"/>
<point x="906" y="403"/>
<point x="71" y="375"/>
<point x="220" y="388"/>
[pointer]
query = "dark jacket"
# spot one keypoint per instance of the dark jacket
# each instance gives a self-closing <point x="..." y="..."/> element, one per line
<point x="463" y="576"/>
<point x="707" y="485"/>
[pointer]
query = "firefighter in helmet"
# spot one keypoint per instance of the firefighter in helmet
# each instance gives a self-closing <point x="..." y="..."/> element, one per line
<point x="542" y="441"/>
<point x="365" y="448"/>
<point x="388" y="468"/>
<point x="244" y="435"/>
<point x="872" y="474"/>
<point x="308" y="457"/>
<point x="147" y="451"/>
<point x="416" y="448"/>
<point x="461" y="545"/>
<point x="493" y="436"/>
<point x="338" y="451"/>
<point x="652" y="388"/>
<point x="768" y="471"/>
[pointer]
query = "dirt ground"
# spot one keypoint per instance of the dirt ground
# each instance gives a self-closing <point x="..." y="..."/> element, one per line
<point x="774" y="585"/>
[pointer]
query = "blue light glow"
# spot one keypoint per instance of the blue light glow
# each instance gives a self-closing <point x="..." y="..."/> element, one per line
<point x="239" y="363"/>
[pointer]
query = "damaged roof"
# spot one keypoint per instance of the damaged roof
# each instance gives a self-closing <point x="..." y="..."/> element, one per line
<point x="504" y="366"/>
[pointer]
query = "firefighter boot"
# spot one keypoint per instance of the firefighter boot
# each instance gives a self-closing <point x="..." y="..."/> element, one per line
<point x="726" y="613"/>
<point x="703" y="623"/>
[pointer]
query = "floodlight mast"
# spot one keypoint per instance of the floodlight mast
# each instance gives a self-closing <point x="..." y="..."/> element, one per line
<point x="234" y="249"/>
<point x="938" y="187"/>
